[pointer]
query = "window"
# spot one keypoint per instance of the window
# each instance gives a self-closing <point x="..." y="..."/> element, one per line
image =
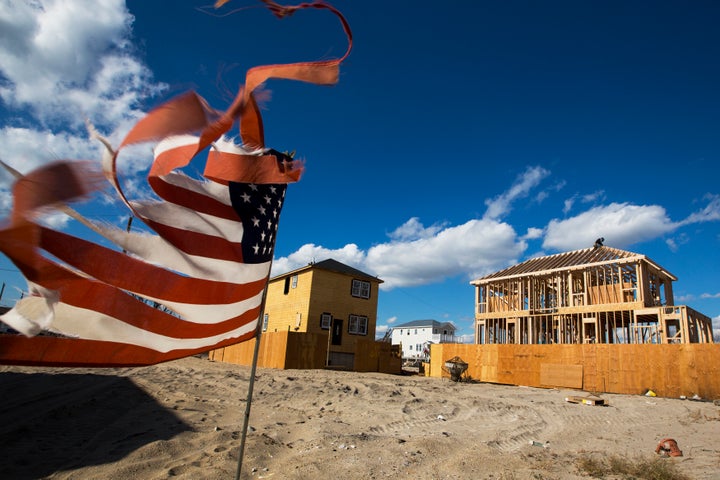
<point x="294" y="281"/>
<point x="325" y="321"/>
<point x="357" y="325"/>
<point x="416" y="331"/>
<point x="360" y="289"/>
<point x="418" y="347"/>
<point x="410" y="347"/>
<point x="266" y="317"/>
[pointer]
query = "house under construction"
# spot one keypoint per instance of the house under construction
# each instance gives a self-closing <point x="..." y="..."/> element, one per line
<point x="595" y="295"/>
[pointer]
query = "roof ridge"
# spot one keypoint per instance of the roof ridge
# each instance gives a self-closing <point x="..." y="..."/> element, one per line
<point x="332" y="265"/>
<point x="564" y="260"/>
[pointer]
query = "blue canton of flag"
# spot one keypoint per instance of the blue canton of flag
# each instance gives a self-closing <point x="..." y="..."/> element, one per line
<point x="258" y="206"/>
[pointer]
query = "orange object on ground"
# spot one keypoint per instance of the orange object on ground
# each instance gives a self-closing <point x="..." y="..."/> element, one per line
<point x="668" y="446"/>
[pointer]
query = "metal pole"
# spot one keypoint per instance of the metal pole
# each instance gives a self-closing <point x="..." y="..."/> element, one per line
<point x="251" y="385"/>
<point x="327" y="353"/>
<point x="127" y="229"/>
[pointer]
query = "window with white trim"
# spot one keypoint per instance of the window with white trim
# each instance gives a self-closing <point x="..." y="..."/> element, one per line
<point x="357" y="325"/>
<point x="325" y="321"/>
<point x="360" y="288"/>
<point x="266" y="317"/>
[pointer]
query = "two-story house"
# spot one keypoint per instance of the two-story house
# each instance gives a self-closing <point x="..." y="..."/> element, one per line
<point x="325" y="297"/>
<point x="594" y="295"/>
<point x="322" y="315"/>
<point x="416" y="337"/>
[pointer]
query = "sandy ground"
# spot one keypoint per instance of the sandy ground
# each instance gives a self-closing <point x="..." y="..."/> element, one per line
<point x="183" y="419"/>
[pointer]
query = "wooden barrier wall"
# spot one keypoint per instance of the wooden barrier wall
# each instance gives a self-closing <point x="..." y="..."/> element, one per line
<point x="272" y="351"/>
<point x="668" y="370"/>
<point x="372" y="356"/>
<point x="303" y="351"/>
<point x="308" y="351"/>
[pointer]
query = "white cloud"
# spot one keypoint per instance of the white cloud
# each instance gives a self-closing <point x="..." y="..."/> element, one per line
<point x="710" y="213"/>
<point x="501" y="205"/>
<point x="674" y="243"/>
<point x="414" y="229"/>
<point x="55" y="220"/>
<point x="62" y="63"/>
<point x="587" y="198"/>
<point x="533" y="233"/>
<point x="710" y="295"/>
<point x="350" y="255"/>
<point x="621" y="224"/>
<point x="25" y="148"/>
<point x="472" y="249"/>
<point x="593" y="197"/>
<point x="67" y="60"/>
<point x="684" y="298"/>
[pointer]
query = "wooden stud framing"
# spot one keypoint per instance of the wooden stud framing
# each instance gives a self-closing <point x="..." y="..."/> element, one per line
<point x="599" y="295"/>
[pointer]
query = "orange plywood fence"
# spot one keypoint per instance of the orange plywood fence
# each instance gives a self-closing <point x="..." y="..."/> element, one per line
<point x="372" y="356"/>
<point x="389" y="358"/>
<point x="302" y="350"/>
<point x="488" y="366"/>
<point x="272" y="351"/>
<point x="667" y="370"/>
<point x="305" y="350"/>
<point x="506" y="371"/>
<point x="522" y="364"/>
<point x="366" y="356"/>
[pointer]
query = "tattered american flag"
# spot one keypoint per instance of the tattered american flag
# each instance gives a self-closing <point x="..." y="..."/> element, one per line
<point x="198" y="281"/>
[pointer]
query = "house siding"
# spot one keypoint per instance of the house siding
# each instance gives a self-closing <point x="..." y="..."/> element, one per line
<point x="413" y="336"/>
<point x="319" y="291"/>
<point x="294" y="338"/>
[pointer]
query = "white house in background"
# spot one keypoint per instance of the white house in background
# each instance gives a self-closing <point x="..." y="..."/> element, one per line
<point x="415" y="337"/>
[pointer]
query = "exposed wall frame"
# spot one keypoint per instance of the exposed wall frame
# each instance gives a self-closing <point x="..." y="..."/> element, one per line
<point x="596" y="295"/>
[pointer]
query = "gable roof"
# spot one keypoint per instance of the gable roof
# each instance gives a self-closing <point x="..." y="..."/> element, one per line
<point x="576" y="259"/>
<point x="332" y="266"/>
<point x="425" y="323"/>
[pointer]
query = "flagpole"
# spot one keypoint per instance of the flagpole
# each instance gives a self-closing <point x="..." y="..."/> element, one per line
<point x="251" y="384"/>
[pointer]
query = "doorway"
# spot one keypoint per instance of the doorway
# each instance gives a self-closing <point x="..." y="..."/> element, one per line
<point x="337" y="331"/>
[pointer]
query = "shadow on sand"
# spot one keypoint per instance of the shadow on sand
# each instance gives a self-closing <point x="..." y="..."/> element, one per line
<point x="56" y="422"/>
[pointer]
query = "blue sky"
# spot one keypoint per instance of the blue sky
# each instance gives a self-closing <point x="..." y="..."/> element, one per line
<point x="462" y="137"/>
